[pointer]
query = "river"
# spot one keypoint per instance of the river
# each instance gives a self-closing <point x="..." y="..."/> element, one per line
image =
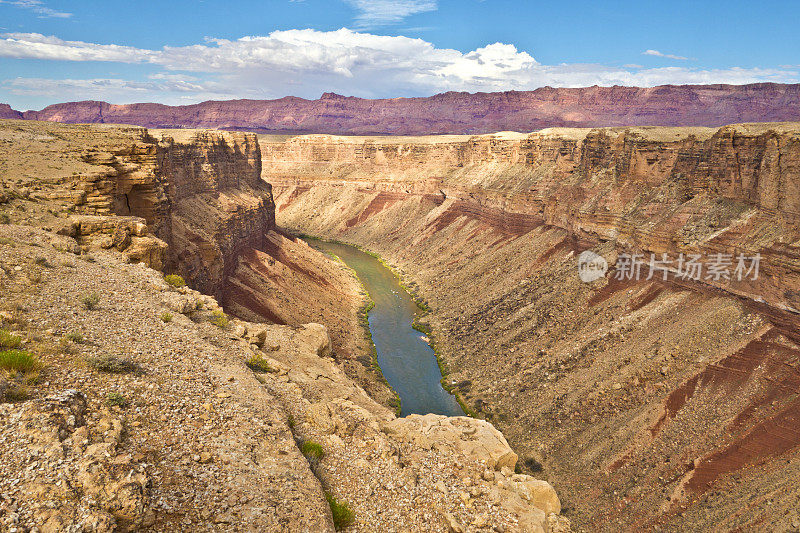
<point x="406" y="359"/>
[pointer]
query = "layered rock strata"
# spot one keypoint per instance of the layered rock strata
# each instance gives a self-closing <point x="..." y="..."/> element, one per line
<point x="649" y="403"/>
<point x="666" y="105"/>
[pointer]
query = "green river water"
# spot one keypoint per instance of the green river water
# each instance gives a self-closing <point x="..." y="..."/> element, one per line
<point x="406" y="360"/>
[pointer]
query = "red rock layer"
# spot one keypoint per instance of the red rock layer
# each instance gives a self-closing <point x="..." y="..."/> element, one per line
<point x="735" y="190"/>
<point x="667" y="105"/>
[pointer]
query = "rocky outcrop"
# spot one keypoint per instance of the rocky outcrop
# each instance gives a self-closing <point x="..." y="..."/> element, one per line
<point x="200" y="192"/>
<point x="205" y="425"/>
<point x="647" y="403"/>
<point x="457" y="471"/>
<point x="98" y="488"/>
<point x="667" y="105"/>
<point x="191" y="203"/>
<point x="126" y="234"/>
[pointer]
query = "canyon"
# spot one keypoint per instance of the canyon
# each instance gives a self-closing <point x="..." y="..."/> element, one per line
<point x="453" y="112"/>
<point x="647" y="402"/>
<point x="130" y="401"/>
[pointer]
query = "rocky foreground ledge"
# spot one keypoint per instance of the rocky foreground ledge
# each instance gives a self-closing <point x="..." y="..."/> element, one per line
<point x="133" y="403"/>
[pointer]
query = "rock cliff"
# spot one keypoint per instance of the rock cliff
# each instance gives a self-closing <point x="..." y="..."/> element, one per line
<point x="7" y="113"/>
<point x="668" y="105"/>
<point x="666" y="403"/>
<point x="191" y="203"/>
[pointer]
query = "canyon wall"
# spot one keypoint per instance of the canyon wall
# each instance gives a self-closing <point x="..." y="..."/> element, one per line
<point x="648" y="402"/>
<point x="667" y="105"/>
<point x="200" y="192"/>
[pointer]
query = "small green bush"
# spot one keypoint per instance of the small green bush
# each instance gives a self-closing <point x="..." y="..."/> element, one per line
<point x="166" y="316"/>
<point x="90" y="301"/>
<point x="174" y="280"/>
<point x="5" y="219"/>
<point x="257" y="363"/>
<point x="342" y="514"/>
<point x="220" y="319"/>
<point x="116" y="399"/>
<point x="111" y="364"/>
<point x="43" y="262"/>
<point x="18" y="360"/>
<point x="312" y="450"/>
<point x="8" y="340"/>
<point x="76" y="337"/>
<point x="290" y="421"/>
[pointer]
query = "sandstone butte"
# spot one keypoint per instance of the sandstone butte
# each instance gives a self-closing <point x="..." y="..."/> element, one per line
<point x="623" y="404"/>
<point x="455" y="112"/>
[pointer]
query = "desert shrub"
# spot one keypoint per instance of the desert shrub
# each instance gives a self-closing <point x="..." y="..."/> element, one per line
<point x="76" y="337"/>
<point x="5" y="219"/>
<point x="111" y="364"/>
<point x="166" y="316"/>
<point x="342" y="514"/>
<point x="312" y="450"/>
<point x="18" y="361"/>
<point x="220" y="319"/>
<point x="90" y="301"/>
<point x="43" y="262"/>
<point x="174" y="280"/>
<point x="290" y="421"/>
<point x="17" y="393"/>
<point x="9" y="340"/>
<point x="257" y="363"/>
<point x="533" y="465"/>
<point x="66" y="345"/>
<point x="116" y="399"/>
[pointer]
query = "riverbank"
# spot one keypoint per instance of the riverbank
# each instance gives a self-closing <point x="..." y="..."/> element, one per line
<point x="403" y="356"/>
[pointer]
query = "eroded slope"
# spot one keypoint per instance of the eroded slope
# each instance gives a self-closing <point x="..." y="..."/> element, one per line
<point x="647" y="402"/>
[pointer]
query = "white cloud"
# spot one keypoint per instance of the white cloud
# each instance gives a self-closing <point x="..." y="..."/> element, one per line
<point x="113" y="89"/>
<point x="372" y="13"/>
<point x="309" y="62"/>
<point x="37" y="46"/>
<point x="656" y="53"/>
<point x="38" y="7"/>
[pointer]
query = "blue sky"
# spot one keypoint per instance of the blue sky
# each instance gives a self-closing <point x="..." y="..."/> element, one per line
<point x="181" y="51"/>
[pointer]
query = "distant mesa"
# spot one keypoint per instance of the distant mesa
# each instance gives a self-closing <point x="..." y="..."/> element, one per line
<point x="7" y="112"/>
<point x="455" y="112"/>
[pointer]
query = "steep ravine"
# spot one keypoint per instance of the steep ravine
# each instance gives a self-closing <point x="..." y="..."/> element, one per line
<point x="647" y="403"/>
<point x="211" y="220"/>
<point x="146" y="408"/>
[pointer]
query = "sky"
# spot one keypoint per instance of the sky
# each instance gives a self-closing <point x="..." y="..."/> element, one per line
<point x="182" y="51"/>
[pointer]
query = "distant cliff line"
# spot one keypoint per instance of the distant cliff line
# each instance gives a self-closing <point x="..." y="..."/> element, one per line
<point x="454" y="112"/>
